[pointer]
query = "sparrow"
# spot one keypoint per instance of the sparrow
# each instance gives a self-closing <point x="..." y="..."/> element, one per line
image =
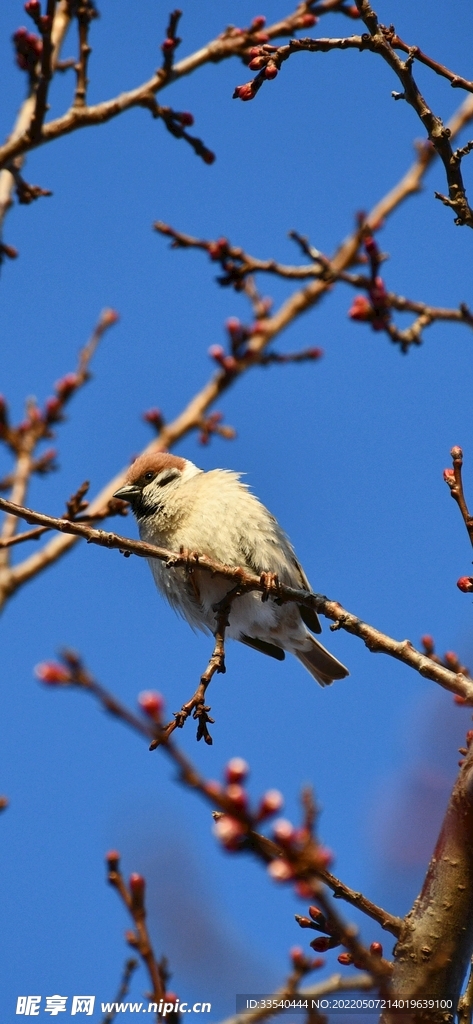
<point x="179" y="506"/>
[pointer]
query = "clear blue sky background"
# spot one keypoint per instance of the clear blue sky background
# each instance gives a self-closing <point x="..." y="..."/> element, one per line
<point x="348" y="453"/>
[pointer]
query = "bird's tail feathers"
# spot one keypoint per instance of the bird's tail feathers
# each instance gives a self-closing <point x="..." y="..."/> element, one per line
<point x="320" y="663"/>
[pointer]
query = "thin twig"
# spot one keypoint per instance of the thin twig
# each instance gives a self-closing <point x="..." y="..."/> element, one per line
<point x="128" y="971"/>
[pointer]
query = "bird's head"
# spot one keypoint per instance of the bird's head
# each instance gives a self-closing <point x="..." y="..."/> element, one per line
<point x="151" y="480"/>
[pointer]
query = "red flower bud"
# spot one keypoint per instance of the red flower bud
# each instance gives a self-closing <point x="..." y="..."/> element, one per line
<point x="283" y="832"/>
<point x="428" y="643"/>
<point x="218" y="248"/>
<point x="297" y="956"/>
<point x="207" y="156"/>
<point x="152" y="703"/>
<point x="307" y="21"/>
<point x="237" y="795"/>
<point x="113" y="860"/>
<point x="303" y="889"/>
<point x="229" y="831"/>
<point x="186" y="118"/>
<point x="257" y="63"/>
<point x="244" y="92"/>
<point x="271" y="803"/>
<point x="256" y="51"/>
<point x="271" y="71"/>
<point x="323" y="943"/>
<point x="345" y="958"/>
<point x="137" y="891"/>
<point x="458" y="699"/>
<point x="168" y="45"/>
<point x="66" y="385"/>
<point x="52" y="673"/>
<point x="371" y="245"/>
<point x="109" y="317"/>
<point x="258" y="22"/>
<point x="449" y="476"/>
<point x="318" y="917"/>
<point x="376" y="949"/>
<point x="361" y="308"/>
<point x="236" y="770"/>
<point x="154" y="417"/>
<point x="33" y="8"/>
<point x="280" y="870"/>
<point x="465" y="584"/>
<point x="469" y="737"/>
<point x="53" y="410"/>
<point x="303" y="922"/>
<point x="452" y="660"/>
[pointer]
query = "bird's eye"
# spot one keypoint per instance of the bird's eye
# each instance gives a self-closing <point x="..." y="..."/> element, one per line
<point x="149" y="476"/>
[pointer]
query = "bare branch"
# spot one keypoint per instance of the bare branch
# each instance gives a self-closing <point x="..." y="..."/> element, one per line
<point x="376" y="641"/>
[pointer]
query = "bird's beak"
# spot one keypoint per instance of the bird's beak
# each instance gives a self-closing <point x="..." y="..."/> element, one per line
<point x="127" y="492"/>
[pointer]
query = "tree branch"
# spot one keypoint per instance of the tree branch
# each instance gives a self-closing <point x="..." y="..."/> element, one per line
<point x="374" y="640"/>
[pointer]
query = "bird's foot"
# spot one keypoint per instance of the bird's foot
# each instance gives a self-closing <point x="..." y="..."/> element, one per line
<point x="270" y="582"/>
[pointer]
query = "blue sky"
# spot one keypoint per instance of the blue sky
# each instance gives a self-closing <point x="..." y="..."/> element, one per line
<point x="348" y="453"/>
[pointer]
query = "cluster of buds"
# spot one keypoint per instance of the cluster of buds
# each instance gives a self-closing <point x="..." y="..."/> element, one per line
<point x="302" y="963"/>
<point x="318" y="923"/>
<point x="155" y="419"/>
<point x="231" y="827"/>
<point x="28" y="49"/>
<point x="228" y="363"/>
<point x="347" y="959"/>
<point x="264" y="60"/>
<point x="450" y="660"/>
<point x="213" y="425"/>
<point x="152" y="704"/>
<point x="372" y="308"/>
<point x="293" y="842"/>
<point x="331" y="939"/>
<point x="42" y="21"/>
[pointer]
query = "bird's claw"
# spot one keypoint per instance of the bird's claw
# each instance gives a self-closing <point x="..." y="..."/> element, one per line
<point x="271" y="586"/>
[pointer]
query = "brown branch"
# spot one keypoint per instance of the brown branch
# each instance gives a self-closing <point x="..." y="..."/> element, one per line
<point x="389" y="922"/>
<point x="436" y="940"/>
<point x="454" y="480"/>
<point x="465" y="1003"/>
<point x="383" y="41"/>
<point x="73" y="672"/>
<point x="456" y="81"/>
<point x="238" y="265"/>
<point x="231" y="43"/>
<point x="297" y="304"/>
<point x="85" y="13"/>
<point x="133" y="898"/>
<point x="24" y="439"/>
<point x="380" y="40"/>
<point x="45" y="73"/>
<point x="246" y="581"/>
<point x="359" y="982"/>
<point x="128" y="971"/>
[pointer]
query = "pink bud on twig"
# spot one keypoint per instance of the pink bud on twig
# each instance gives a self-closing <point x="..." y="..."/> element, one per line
<point x="236" y="770"/>
<point x="52" y="673"/>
